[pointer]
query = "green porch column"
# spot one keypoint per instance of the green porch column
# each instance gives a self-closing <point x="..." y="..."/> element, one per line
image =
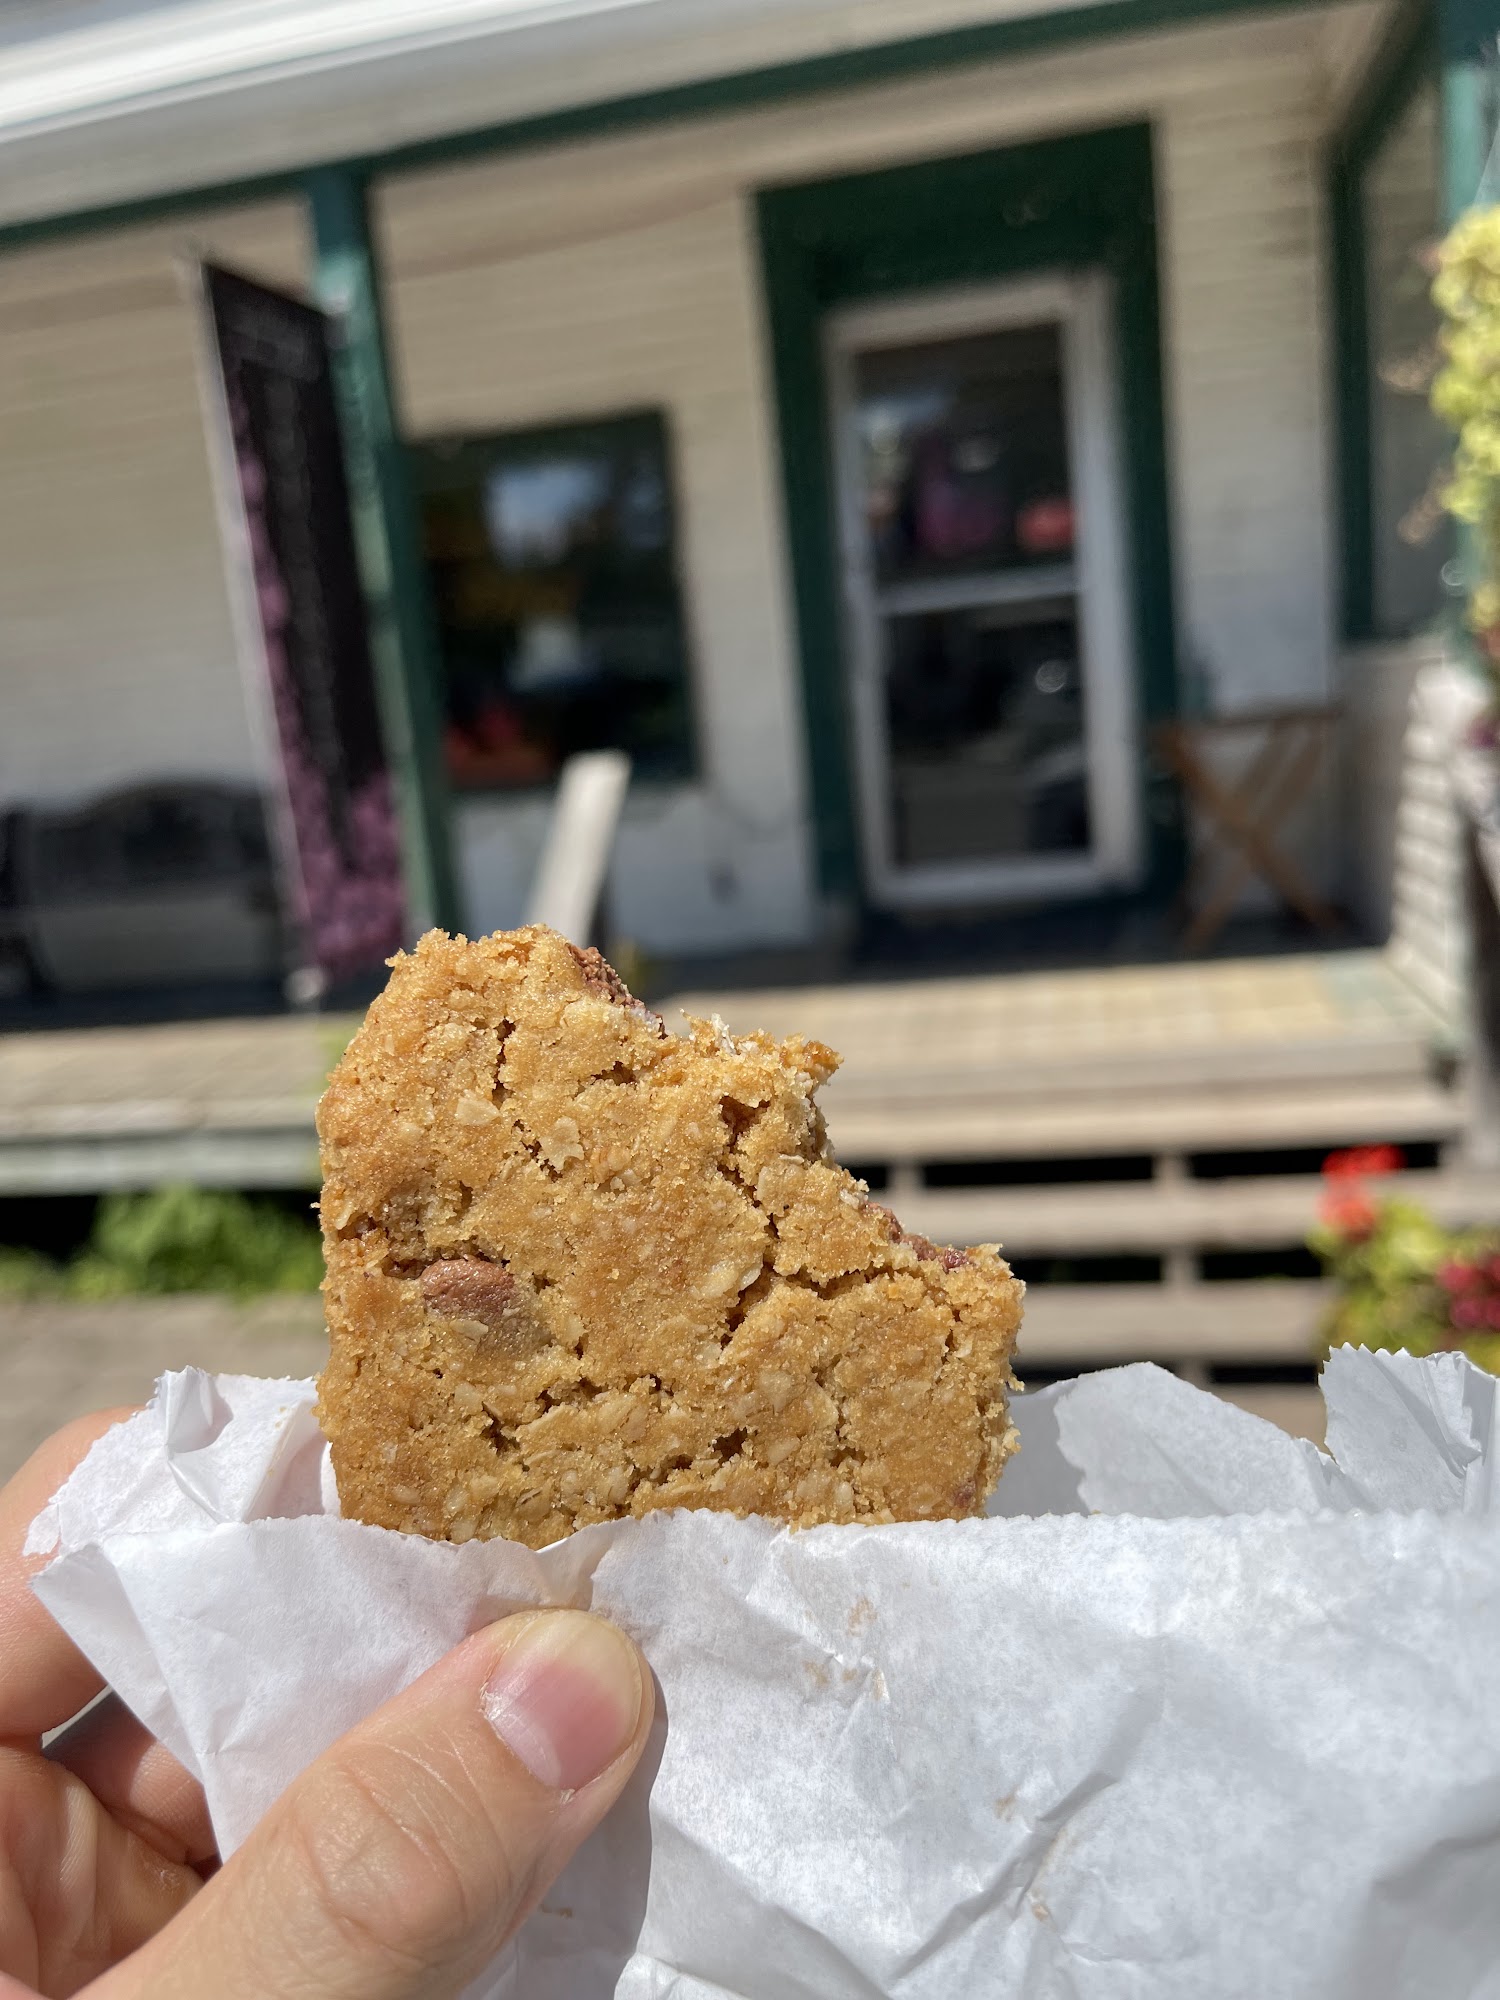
<point x="403" y="636"/>
<point x="1468" y="44"/>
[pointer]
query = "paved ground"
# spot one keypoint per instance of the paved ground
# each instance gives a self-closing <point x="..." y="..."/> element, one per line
<point x="1110" y="1012"/>
<point x="60" y="1360"/>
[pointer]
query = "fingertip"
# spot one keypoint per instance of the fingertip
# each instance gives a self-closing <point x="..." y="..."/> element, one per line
<point x="44" y="1679"/>
<point x="60" y="1455"/>
<point x="567" y="1695"/>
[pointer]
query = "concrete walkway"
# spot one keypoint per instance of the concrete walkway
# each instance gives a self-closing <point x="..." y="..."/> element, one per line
<point x="60" y="1360"/>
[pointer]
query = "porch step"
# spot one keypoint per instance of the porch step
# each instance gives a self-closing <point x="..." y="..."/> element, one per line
<point x="1092" y="1326"/>
<point x="1132" y="1218"/>
<point x="892" y="1131"/>
<point x="1212" y="1335"/>
<point x="61" y="1358"/>
<point x="1326" y="1062"/>
<point x="1315" y="1050"/>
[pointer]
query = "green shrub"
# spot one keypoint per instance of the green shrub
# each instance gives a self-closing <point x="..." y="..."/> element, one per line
<point x="189" y="1239"/>
<point x="26" y="1274"/>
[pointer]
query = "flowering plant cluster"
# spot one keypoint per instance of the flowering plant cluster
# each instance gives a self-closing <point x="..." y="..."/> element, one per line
<point x="1402" y="1279"/>
<point x="1466" y="395"/>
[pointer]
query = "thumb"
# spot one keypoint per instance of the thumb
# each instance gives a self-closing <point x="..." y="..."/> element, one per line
<point x="401" y="1861"/>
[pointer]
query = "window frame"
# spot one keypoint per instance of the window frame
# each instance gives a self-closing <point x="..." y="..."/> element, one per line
<point x="1068" y="200"/>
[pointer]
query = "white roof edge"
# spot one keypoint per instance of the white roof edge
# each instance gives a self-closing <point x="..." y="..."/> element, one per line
<point x="75" y="76"/>
<point x="171" y="96"/>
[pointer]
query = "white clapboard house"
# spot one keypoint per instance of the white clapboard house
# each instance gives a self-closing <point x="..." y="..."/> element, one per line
<point x="875" y="416"/>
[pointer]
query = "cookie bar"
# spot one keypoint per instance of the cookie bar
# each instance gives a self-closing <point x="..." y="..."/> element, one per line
<point x="580" y="1267"/>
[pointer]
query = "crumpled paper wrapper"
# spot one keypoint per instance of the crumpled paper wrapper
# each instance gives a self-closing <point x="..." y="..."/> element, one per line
<point x="1202" y="1712"/>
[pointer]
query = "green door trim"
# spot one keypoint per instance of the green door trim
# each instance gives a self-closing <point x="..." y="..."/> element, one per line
<point x="1084" y="200"/>
<point x="744" y="90"/>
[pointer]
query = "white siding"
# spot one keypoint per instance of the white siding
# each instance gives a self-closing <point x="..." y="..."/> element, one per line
<point x="602" y="275"/>
<point x="1240" y="209"/>
<point x="1431" y="939"/>
<point x="117" y="659"/>
<point x="660" y="316"/>
<point x="620" y="273"/>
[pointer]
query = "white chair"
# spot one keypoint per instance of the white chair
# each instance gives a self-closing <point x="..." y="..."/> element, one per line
<point x="580" y="838"/>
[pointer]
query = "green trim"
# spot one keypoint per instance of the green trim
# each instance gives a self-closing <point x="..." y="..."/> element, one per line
<point x="1351" y="391"/>
<point x="1468" y="128"/>
<point x="746" y="90"/>
<point x="1087" y="199"/>
<point x="1406" y="58"/>
<point x="402" y="634"/>
<point x="1468" y="30"/>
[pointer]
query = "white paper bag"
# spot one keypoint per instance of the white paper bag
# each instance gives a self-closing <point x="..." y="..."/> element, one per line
<point x="1203" y="1713"/>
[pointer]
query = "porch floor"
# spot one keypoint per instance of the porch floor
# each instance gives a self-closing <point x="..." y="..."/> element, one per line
<point x="1142" y="1139"/>
<point x="1005" y="1021"/>
<point x="1074" y="1062"/>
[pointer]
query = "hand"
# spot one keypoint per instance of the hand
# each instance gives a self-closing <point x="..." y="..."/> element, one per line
<point x="395" y="1867"/>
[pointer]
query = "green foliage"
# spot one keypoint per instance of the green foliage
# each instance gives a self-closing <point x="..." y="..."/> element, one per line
<point x="1466" y="395"/>
<point x="1404" y="1281"/>
<point x="177" y="1239"/>
<point x="24" y="1274"/>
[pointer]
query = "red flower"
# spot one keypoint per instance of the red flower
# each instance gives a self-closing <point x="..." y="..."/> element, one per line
<point x="1492" y="1313"/>
<point x="1467" y="1314"/>
<point x="1458" y="1277"/>
<point x="1351" y="1212"/>
<point x="1356" y="1161"/>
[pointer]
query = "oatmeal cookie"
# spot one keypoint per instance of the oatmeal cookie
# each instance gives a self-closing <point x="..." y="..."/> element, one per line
<point x="579" y="1267"/>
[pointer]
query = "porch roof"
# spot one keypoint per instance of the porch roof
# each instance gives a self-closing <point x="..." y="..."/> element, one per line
<point x="139" y="106"/>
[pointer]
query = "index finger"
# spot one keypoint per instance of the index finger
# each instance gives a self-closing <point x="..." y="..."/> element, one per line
<point x="44" y="1679"/>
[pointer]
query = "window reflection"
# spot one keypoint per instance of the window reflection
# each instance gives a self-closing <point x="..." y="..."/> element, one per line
<point x="985" y="715"/>
<point x="552" y="562"/>
<point x="963" y="449"/>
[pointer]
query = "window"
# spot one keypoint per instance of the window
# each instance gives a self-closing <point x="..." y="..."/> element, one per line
<point x="966" y="495"/>
<point x="552" y="561"/>
<point x="1408" y="446"/>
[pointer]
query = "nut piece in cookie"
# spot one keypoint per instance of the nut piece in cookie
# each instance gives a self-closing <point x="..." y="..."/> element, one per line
<point x="579" y="1267"/>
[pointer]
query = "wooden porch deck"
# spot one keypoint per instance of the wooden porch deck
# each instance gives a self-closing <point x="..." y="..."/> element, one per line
<point x="1079" y="1118"/>
<point x="1142" y="1115"/>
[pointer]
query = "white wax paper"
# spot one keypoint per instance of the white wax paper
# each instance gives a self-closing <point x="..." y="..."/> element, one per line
<point x="1204" y="1713"/>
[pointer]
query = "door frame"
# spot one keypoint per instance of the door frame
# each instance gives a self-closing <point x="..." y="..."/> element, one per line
<point x="1081" y="304"/>
<point x="1076" y="201"/>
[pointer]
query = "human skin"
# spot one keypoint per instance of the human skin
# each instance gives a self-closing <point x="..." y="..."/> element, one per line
<point x="394" y="1867"/>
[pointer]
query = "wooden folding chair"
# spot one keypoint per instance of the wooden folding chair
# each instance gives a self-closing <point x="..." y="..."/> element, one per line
<point x="1240" y="818"/>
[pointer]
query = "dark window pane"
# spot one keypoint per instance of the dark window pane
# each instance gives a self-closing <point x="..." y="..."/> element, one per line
<point x="1408" y="445"/>
<point x="964" y="454"/>
<point x="553" y="569"/>
<point x="985" y="713"/>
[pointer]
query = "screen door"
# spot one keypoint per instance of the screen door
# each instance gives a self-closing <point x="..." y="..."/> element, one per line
<point x="985" y="616"/>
